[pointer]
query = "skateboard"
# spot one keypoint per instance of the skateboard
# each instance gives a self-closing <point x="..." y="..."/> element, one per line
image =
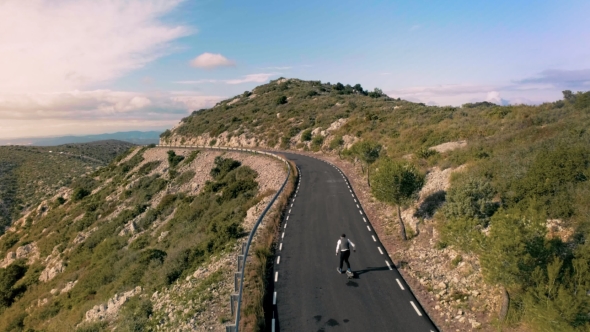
<point x="349" y="274"/>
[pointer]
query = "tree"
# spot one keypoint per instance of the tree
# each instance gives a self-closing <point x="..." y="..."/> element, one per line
<point x="368" y="152"/>
<point x="396" y="183"/>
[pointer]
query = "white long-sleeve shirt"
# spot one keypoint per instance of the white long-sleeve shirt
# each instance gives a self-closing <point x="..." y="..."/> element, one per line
<point x="342" y="247"/>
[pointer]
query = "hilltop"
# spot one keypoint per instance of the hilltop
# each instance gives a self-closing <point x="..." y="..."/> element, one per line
<point x="501" y="225"/>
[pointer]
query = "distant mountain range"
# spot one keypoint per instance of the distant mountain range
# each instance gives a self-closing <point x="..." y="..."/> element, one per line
<point x="136" y="137"/>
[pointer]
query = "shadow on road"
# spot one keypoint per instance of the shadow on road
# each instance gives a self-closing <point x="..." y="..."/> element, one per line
<point x="370" y="269"/>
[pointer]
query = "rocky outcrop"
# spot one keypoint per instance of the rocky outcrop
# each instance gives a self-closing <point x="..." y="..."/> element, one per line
<point x="110" y="310"/>
<point x="29" y="252"/>
<point x="54" y="265"/>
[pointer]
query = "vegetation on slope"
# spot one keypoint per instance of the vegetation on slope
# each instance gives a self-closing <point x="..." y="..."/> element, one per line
<point x="29" y="174"/>
<point x="86" y="232"/>
<point x="527" y="169"/>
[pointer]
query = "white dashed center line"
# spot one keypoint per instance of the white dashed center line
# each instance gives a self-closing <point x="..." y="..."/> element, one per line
<point x="416" y="308"/>
<point x="380" y="251"/>
<point x="283" y="236"/>
<point x="276" y="276"/>
<point x="354" y="198"/>
<point x="361" y="212"/>
<point x="369" y="228"/>
<point x="274" y="298"/>
<point x="278" y="259"/>
<point x="400" y="284"/>
<point x="389" y="266"/>
<point x="281" y="246"/>
<point x="357" y="206"/>
<point x="374" y="239"/>
<point x="286" y="224"/>
<point x="365" y="220"/>
<point x="287" y="218"/>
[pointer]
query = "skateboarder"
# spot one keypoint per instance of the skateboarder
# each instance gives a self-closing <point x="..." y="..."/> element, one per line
<point x="343" y="246"/>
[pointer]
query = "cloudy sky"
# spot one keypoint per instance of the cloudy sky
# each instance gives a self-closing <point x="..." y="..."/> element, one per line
<point x="88" y="66"/>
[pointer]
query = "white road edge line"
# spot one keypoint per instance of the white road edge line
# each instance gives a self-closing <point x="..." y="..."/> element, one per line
<point x="380" y="251"/>
<point x="276" y="276"/>
<point x="369" y="228"/>
<point x="400" y="284"/>
<point x="278" y="260"/>
<point x="389" y="266"/>
<point x="374" y="239"/>
<point x="416" y="308"/>
<point x="274" y="298"/>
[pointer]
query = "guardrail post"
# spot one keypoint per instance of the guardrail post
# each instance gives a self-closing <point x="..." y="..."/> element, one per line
<point x="234" y="301"/>
<point x="240" y="263"/>
<point x="230" y="328"/>
<point x="237" y="278"/>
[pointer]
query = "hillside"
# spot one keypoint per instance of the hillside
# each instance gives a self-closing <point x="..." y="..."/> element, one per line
<point x="503" y="211"/>
<point x="147" y="242"/>
<point x="30" y="174"/>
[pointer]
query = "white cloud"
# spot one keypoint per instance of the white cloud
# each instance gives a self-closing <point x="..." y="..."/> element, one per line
<point x="210" y="61"/>
<point x="560" y="78"/>
<point x="494" y="97"/>
<point x="29" y="114"/>
<point x="69" y="44"/>
<point x="415" y="27"/>
<point x="257" y="78"/>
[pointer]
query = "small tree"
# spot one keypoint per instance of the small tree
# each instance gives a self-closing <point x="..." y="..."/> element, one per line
<point x="368" y="152"/>
<point x="396" y="183"/>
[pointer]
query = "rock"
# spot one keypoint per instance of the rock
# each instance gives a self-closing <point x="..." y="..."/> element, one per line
<point x="52" y="269"/>
<point x="110" y="310"/>
<point x="68" y="287"/>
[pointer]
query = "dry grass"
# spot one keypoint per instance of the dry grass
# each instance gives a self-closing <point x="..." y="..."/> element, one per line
<point x="258" y="267"/>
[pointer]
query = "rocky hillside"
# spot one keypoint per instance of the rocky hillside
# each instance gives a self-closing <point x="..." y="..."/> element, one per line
<point x="30" y="174"/>
<point x="147" y="242"/>
<point x="498" y="233"/>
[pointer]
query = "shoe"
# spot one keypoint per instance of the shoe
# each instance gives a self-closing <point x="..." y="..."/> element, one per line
<point x="349" y="270"/>
<point x="339" y="270"/>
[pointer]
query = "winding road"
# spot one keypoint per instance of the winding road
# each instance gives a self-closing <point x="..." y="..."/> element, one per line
<point x="308" y="293"/>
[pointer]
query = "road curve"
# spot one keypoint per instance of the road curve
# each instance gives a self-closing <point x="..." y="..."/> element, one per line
<point x="308" y="293"/>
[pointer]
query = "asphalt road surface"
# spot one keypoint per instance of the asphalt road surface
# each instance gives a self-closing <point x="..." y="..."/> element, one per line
<point x="308" y="293"/>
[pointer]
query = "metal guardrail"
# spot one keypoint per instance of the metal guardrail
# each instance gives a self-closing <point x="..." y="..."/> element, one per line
<point x="244" y="256"/>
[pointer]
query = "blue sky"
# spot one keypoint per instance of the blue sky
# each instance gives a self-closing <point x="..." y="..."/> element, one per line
<point x="127" y="65"/>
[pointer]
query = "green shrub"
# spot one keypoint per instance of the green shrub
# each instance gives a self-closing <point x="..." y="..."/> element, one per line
<point x="281" y="100"/>
<point x="306" y="135"/>
<point x="173" y="159"/>
<point x="79" y="193"/>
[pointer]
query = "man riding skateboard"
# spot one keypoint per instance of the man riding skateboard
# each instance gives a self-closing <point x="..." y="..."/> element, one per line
<point x="343" y="247"/>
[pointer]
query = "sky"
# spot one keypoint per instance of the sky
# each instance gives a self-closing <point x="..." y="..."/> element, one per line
<point x="96" y="66"/>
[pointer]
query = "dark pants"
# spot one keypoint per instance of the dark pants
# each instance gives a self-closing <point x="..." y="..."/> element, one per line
<point x="344" y="258"/>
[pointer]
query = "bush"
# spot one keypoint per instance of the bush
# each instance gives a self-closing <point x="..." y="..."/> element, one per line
<point x="173" y="159"/>
<point x="471" y="199"/>
<point x="306" y="135"/>
<point x="281" y="100"/>
<point x="79" y="193"/>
